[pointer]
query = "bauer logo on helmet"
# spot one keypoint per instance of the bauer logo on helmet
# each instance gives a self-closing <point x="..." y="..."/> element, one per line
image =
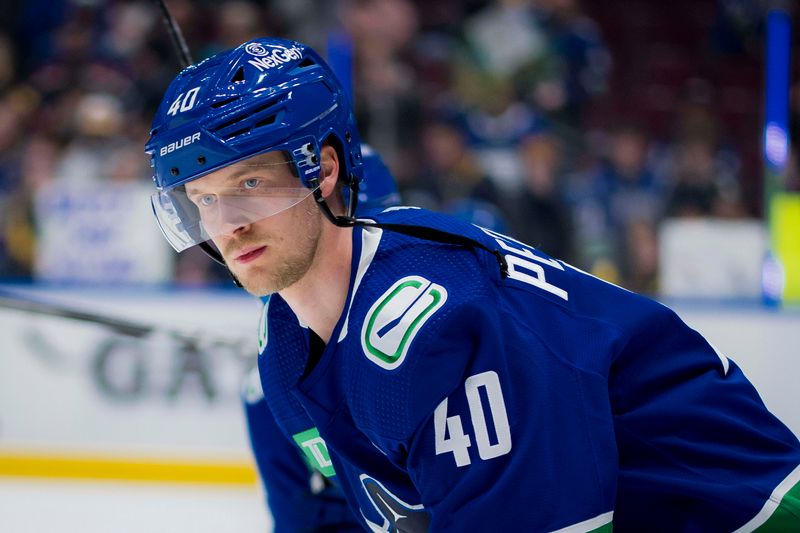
<point x="180" y="143"/>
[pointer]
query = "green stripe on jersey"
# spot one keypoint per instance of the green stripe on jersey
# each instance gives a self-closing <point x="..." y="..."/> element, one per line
<point x="606" y="528"/>
<point x="598" y="524"/>
<point x="787" y="516"/>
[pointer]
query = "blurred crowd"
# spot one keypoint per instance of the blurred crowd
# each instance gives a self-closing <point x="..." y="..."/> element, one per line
<point x="576" y="126"/>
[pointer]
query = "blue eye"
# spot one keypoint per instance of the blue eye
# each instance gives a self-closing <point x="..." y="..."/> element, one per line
<point x="251" y="183"/>
<point x="207" y="200"/>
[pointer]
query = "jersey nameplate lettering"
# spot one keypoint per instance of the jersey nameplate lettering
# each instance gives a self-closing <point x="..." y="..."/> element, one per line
<point x="396" y="317"/>
<point x="525" y="266"/>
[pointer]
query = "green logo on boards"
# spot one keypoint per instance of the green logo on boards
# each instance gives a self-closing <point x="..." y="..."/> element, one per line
<point x="397" y="316"/>
<point x="315" y="451"/>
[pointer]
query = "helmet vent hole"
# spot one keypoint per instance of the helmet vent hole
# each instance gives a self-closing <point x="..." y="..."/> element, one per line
<point x="224" y="102"/>
<point x="239" y="76"/>
<point x="307" y="62"/>
<point x="266" y="121"/>
<point x="236" y="133"/>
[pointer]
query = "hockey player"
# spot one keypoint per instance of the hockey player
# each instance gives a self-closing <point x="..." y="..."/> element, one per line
<point x="446" y="377"/>
<point x="300" y="497"/>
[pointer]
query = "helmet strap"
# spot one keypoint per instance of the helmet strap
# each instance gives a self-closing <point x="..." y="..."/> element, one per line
<point x="343" y="221"/>
<point x="217" y="257"/>
<point x="420" y="232"/>
<point x="353" y="204"/>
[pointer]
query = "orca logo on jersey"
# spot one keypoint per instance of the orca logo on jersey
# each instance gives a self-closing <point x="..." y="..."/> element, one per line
<point x="397" y="515"/>
<point x="396" y="317"/>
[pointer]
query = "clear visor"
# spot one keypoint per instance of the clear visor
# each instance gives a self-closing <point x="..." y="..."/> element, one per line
<point x="206" y="209"/>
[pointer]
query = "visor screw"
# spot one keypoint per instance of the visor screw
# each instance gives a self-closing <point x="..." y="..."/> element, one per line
<point x="314" y="159"/>
<point x="201" y="160"/>
<point x="347" y="136"/>
<point x="309" y="147"/>
<point x="174" y="171"/>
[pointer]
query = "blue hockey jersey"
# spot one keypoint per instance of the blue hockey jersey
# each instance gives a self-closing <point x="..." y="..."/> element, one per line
<point x="456" y="397"/>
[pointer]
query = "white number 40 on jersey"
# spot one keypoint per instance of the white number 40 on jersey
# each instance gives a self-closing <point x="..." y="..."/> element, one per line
<point x="449" y="431"/>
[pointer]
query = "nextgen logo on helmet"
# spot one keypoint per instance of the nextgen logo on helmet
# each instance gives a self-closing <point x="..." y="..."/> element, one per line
<point x="180" y="143"/>
<point x="266" y="59"/>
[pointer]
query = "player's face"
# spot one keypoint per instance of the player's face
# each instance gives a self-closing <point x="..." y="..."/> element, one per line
<point x="269" y="254"/>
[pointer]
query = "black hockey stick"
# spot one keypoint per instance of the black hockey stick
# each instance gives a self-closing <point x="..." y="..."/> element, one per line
<point x="176" y="35"/>
<point x="122" y="326"/>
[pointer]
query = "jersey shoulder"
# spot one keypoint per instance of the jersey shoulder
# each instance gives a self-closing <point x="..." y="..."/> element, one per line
<point x="406" y="346"/>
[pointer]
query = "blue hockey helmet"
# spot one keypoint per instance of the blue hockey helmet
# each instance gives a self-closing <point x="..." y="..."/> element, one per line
<point x="265" y="95"/>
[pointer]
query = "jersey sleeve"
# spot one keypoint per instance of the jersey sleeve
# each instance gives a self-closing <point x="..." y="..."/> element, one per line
<point x="298" y="498"/>
<point x="694" y="436"/>
<point x="521" y="440"/>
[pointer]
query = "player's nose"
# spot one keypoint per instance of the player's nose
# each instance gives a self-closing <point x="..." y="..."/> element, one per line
<point x="232" y="219"/>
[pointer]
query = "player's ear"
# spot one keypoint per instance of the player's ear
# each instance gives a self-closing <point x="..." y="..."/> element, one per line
<point x="329" y="175"/>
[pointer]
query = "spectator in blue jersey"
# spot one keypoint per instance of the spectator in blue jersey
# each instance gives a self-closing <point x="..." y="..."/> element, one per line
<point x="620" y="190"/>
<point x="443" y="376"/>
<point x="630" y="187"/>
<point x="583" y="59"/>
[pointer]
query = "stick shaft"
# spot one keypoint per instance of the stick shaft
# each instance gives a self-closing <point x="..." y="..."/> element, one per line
<point x="175" y="34"/>
<point x="125" y="327"/>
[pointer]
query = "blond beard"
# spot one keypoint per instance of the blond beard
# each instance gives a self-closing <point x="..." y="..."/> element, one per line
<point x="298" y="257"/>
